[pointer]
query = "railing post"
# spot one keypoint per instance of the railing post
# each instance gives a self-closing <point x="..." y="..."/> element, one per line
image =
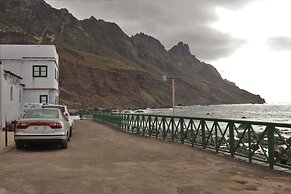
<point x="138" y="124"/>
<point x="231" y="138"/>
<point x="130" y="123"/>
<point x="143" y="125"/>
<point x="203" y="133"/>
<point x="121" y="122"/>
<point x="133" y="119"/>
<point x="173" y="130"/>
<point x="216" y="136"/>
<point x="156" y="127"/>
<point x="150" y="126"/>
<point x="249" y="142"/>
<point x="271" y="146"/>
<point x="192" y="132"/>
<point x="127" y="123"/>
<point x="182" y="138"/>
<point x="124" y="122"/>
<point x="164" y="127"/>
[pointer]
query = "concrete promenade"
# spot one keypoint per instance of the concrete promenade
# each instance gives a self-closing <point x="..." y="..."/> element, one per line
<point x="100" y="159"/>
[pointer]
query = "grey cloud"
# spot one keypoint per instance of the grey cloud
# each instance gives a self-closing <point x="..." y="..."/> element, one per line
<point x="209" y="44"/>
<point x="170" y="21"/>
<point x="279" y="43"/>
<point x="231" y="4"/>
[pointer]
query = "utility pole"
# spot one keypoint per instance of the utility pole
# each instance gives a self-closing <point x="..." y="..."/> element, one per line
<point x="165" y="78"/>
<point x="173" y="95"/>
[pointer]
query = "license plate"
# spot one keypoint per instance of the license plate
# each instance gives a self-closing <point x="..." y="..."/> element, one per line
<point x="40" y="128"/>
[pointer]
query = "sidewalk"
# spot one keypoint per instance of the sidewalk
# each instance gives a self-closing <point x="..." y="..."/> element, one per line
<point x="10" y="138"/>
<point x="101" y="159"/>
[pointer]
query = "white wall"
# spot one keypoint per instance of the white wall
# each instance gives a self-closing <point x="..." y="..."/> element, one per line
<point x="24" y="68"/>
<point x="10" y="107"/>
<point x="53" y="97"/>
<point x="34" y="95"/>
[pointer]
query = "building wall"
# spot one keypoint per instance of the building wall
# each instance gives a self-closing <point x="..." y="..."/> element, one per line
<point x="34" y="96"/>
<point x="11" y="97"/>
<point x="24" y="69"/>
<point x="54" y="97"/>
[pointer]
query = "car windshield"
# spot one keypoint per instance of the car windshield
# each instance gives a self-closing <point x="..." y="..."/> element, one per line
<point x="41" y="113"/>
<point x="59" y="107"/>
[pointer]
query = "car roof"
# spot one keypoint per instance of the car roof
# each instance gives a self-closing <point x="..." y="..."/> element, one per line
<point x="43" y="109"/>
<point x="56" y="105"/>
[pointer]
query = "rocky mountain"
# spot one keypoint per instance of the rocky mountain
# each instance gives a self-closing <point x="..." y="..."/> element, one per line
<point x="100" y="66"/>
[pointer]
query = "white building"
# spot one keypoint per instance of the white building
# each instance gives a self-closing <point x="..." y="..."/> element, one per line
<point x="38" y="66"/>
<point x="10" y="96"/>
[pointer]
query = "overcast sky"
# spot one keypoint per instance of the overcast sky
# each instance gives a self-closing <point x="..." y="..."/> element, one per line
<point x="248" y="41"/>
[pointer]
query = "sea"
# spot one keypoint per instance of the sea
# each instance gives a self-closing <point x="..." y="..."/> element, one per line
<point x="279" y="112"/>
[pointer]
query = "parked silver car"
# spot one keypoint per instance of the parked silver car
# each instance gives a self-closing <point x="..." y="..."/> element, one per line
<point x="42" y="125"/>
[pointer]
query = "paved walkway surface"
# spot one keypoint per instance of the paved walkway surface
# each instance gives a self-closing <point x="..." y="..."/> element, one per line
<point x="100" y="159"/>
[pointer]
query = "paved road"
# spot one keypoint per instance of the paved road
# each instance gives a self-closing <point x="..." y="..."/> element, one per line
<point x="100" y="159"/>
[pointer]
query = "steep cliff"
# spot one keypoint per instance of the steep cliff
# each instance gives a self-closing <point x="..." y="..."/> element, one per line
<point x="100" y="66"/>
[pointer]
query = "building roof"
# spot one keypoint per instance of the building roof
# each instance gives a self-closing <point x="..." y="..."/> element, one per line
<point x="10" y="73"/>
<point x="28" y="52"/>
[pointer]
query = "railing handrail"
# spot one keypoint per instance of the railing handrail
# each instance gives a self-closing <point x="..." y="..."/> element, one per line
<point x="215" y="119"/>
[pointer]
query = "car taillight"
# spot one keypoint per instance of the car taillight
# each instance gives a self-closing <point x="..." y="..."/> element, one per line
<point x="22" y="125"/>
<point x="55" y="125"/>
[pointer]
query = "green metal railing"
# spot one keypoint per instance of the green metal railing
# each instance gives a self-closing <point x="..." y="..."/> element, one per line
<point x="114" y="120"/>
<point x="261" y="141"/>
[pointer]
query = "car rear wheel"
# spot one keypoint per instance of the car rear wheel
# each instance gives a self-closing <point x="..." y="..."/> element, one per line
<point x="68" y="137"/>
<point x="64" y="145"/>
<point x="19" y="145"/>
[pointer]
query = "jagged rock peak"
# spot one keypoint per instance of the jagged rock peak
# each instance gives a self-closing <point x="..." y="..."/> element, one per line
<point x="95" y="21"/>
<point x="64" y="11"/>
<point x="92" y="18"/>
<point x="180" y="49"/>
<point x="145" y="36"/>
<point x="141" y="37"/>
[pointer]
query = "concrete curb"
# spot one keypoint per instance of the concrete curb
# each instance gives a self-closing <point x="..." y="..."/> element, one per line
<point x="10" y="141"/>
<point x="7" y="149"/>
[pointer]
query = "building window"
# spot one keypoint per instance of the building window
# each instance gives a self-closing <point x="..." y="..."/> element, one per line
<point x="20" y="95"/>
<point x="11" y="93"/>
<point x="43" y="99"/>
<point x="39" y="71"/>
<point x="56" y="74"/>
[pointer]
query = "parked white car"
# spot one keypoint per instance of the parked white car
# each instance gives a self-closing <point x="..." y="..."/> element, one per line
<point x="42" y="125"/>
<point x="65" y="111"/>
